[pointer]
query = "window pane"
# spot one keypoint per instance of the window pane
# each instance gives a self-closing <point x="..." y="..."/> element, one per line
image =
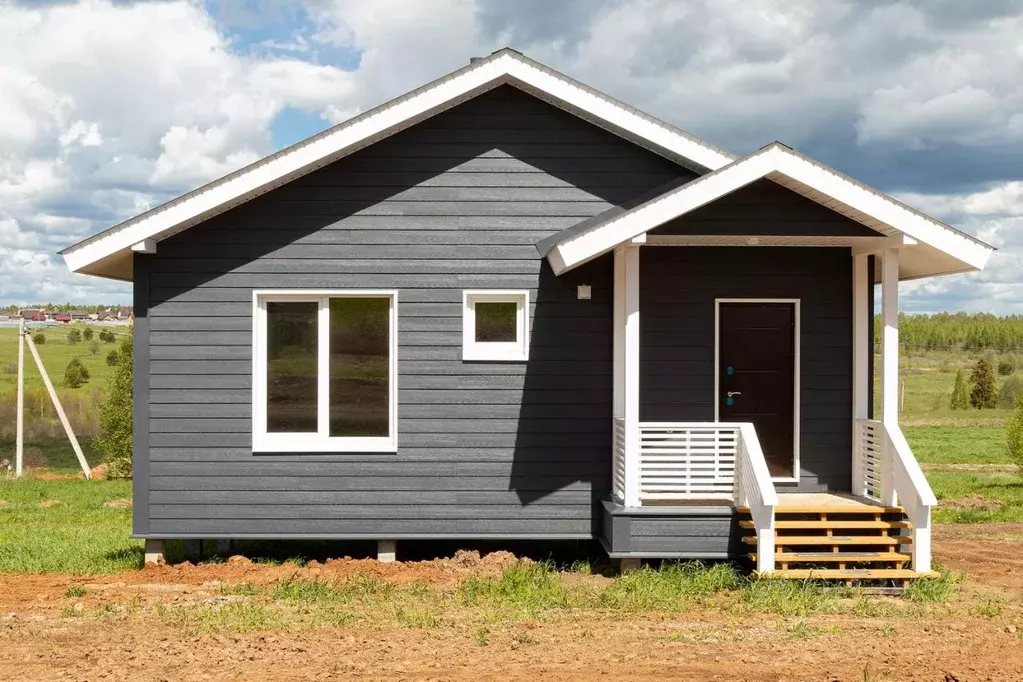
<point x="291" y="367"/>
<point x="359" y="367"/>
<point x="496" y="322"/>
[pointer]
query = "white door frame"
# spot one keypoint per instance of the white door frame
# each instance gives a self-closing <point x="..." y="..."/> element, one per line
<point x="796" y="396"/>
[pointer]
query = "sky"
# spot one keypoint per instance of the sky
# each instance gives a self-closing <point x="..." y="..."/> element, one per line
<point x="109" y="108"/>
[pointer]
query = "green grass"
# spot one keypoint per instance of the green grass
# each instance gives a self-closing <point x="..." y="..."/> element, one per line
<point x="673" y="587"/>
<point x="63" y="526"/>
<point x="957" y="445"/>
<point x="56" y="353"/>
<point x="969" y="497"/>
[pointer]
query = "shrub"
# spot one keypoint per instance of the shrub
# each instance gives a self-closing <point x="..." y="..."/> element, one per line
<point x="94" y="347"/>
<point x="983" y="379"/>
<point x="1014" y="434"/>
<point x="107" y="336"/>
<point x="112" y="358"/>
<point x="74" y="336"/>
<point x="1012" y="387"/>
<point x="87" y="334"/>
<point x="114" y="444"/>
<point x="75" y="374"/>
<point x="39" y="338"/>
<point x="960" y="396"/>
<point x="1005" y="368"/>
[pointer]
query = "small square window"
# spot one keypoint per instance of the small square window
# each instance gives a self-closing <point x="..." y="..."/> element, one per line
<point x="496" y="326"/>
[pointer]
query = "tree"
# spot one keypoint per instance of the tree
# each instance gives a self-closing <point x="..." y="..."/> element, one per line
<point x="960" y="396"/>
<point x="983" y="394"/>
<point x="1005" y="368"/>
<point x="87" y="334"/>
<point x="107" y="336"/>
<point x="74" y="336"/>
<point x="94" y="347"/>
<point x="39" y="338"/>
<point x="1014" y="434"/>
<point x="116" y="416"/>
<point x="112" y="358"/>
<point x="75" y="374"/>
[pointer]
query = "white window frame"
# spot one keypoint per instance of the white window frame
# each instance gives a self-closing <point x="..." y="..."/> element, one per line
<point x="797" y="396"/>
<point x="262" y="441"/>
<point x="495" y="351"/>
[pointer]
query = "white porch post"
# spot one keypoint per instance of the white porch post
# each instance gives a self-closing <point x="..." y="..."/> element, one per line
<point x="861" y="363"/>
<point x="627" y="362"/>
<point x="889" y="365"/>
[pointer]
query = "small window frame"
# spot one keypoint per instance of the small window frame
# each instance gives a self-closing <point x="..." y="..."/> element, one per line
<point x="285" y="443"/>
<point x="495" y="351"/>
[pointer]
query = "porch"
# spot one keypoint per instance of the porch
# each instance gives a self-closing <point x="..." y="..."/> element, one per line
<point x="669" y="477"/>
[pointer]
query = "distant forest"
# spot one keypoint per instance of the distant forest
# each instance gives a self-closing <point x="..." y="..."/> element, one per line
<point x="957" y="332"/>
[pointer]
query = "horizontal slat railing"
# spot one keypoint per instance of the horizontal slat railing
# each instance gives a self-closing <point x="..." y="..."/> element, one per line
<point x="679" y="460"/>
<point x="869" y="452"/>
<point x="618" y="458"/>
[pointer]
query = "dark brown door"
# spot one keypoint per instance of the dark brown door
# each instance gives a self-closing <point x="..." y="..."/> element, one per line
<point x="756" y="375"/>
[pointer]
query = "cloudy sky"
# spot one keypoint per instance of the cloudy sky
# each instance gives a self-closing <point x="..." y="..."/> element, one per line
<point x="107" y="108"/>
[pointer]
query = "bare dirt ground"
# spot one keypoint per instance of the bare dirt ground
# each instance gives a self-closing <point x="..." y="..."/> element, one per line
<point x="42" y="639"/>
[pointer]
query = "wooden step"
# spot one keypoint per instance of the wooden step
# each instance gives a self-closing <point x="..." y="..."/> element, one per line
<point x="837" y="557"/>
<point x="792" y="540"/>
<point x="782" y="524"/>
<point x="848" y="574"/>
<point x="830" y="509"/>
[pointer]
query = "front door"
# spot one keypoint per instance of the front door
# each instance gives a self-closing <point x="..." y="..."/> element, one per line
<point x="757" y="349"/>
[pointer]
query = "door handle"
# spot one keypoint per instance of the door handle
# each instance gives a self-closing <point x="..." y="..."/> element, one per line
<point x="731" y="393"/>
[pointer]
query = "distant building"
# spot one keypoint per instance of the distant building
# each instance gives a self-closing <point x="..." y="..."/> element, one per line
<point x="33" y="315"/>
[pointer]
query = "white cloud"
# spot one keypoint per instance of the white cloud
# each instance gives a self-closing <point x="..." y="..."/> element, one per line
<point x="108" y="108"/>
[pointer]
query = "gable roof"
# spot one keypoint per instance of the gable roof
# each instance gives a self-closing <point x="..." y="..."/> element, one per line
<point x="108" y="254"/>
<point x="932" y="247"/>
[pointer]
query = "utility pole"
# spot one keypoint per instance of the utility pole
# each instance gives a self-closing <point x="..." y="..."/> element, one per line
<point x="19" y="454"/>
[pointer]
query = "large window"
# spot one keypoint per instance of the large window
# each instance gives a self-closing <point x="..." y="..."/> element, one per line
<point x="495" y="326"/>
<point x="324" y="371"/>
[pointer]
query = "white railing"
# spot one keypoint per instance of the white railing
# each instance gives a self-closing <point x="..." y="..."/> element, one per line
<point x="755" y="489"/>
<point x="868" y="452"/>
<point x="618" y="458"/>
<point x="915" y="495"/>
<point x="679" y="461"/>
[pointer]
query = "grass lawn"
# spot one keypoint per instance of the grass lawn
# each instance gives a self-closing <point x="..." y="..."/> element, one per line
<point x="73" y="526"/>
<point x="56" y="353"/>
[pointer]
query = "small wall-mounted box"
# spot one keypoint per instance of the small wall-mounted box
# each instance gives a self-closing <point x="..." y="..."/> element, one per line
<point x="584" y="292"/>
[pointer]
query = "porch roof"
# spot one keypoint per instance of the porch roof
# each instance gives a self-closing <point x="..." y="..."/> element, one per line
<point x="930" y="247"/>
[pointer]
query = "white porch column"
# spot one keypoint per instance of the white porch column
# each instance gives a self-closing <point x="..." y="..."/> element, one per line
<point x="627" y="362"/>
<point x="860" y="362"/>
<point x="889" y="364"/>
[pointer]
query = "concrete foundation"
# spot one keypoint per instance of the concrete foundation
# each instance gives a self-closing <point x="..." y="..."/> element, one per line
<point x="629" y="565"/>
<point x="387" y="550"/>
<point x="154" y="552"/>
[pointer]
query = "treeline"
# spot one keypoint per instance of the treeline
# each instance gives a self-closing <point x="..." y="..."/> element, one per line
<point x="957" y="332"/>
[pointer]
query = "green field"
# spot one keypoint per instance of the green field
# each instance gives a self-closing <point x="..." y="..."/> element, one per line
<point x="81" y="404"/>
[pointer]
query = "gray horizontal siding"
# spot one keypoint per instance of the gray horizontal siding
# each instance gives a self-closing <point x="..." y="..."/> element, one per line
<point x="678" y="288"/>
<point x="765" y="208"/>
<point x="485" y="449"/>
<point x="692" y="532"/>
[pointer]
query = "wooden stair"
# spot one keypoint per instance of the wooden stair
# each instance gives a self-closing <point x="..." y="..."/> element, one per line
<point x="850" y="541"/>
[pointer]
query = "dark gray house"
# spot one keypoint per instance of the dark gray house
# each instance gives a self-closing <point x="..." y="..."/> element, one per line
<point x="508" y="306"/>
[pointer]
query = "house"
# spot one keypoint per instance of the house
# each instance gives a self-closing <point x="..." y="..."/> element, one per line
<point x="33" y="315"/>
<point x="507" y="306"/>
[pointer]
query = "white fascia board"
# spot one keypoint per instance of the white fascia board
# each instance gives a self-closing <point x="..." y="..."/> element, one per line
<point x="485" y="74"/>
<point x="772" y="159"/>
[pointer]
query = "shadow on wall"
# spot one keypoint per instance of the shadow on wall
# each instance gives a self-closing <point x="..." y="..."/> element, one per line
<point x="563" y="442"/>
